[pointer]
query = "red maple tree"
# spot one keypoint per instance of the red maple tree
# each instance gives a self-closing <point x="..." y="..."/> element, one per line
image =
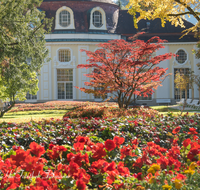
<point x="124" y="69"/>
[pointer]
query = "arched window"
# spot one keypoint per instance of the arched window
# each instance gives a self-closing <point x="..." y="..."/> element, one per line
<point x="97" y="19"/>
<point x="181" y="56"/>
<point x="64" y="18"/>
<point x="64" y="55"/>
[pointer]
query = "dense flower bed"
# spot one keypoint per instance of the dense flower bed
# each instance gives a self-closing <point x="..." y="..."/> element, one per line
<point x="141" y="152"/>
<point x="109" y="112"/>
<point x="55" y="105"/>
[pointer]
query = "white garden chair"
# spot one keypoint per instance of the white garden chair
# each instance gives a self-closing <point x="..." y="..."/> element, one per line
<point x="181" y="101"/>
<point x="188" y="102"/>
<point x="195" y="104"/>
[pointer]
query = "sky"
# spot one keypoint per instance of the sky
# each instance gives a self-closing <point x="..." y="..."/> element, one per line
<point x="191" y="19"/>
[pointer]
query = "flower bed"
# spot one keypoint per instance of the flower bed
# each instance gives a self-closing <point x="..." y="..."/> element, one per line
<point x="140" y="152"/>
<point x="54" y="105"/>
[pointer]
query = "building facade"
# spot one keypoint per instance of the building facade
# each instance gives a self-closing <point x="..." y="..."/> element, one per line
<point x="82" y="24"/>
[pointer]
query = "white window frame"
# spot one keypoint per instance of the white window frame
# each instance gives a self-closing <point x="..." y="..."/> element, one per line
<point x="103" y="27"/>
<point x="57" y="24"/>
<point x="61" y="18"/>
<point x="33" y="100"/>
<point x="73" y="82"/>
<point x="57" y="53"/>
<point x="186" y="54"/>
<point x="146" y="100"/>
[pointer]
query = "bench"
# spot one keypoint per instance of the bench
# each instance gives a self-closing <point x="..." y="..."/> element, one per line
<point x="163" y="101"/>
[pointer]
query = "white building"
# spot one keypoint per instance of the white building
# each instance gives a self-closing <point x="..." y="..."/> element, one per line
<point x="81" y="24"/>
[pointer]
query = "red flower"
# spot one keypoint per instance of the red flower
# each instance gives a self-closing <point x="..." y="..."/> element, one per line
<point x="20" y="156"/>
<point x="176" y="130"/>
<point x="78" y="146"/>
<point x="124" y="171"/>
<point x="138" y="175"/>
<point x="99" y="151"/>
<point x="110" y="145"/>
<point x="80" y="185"/>
<point x="186" y="142"/>
<point x="81" y="139"/>
<point x="126" y="151"/>
<point x="73" y="168"/>
<point x="192" y="131"/>
<point x="111" y="166"/>
<point x="36" y="149"/>
<point x="118" y="141"/>
<point x="111" y="177"/>
<point x="135" y="142"/>
<point x="181" y="177"/>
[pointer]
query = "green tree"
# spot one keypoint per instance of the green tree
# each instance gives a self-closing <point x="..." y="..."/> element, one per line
<point x="22" y="48"/>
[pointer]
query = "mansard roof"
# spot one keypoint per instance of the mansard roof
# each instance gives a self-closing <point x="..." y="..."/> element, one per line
<point x="100" y="1"/>
<point x="151" y="28"/>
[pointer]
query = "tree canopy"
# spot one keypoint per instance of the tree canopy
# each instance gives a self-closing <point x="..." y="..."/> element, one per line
<point x="123" y="69"/>
<point x="173" y="11"/>
<point x="22" y="47"/>
<point x="22" y="28"/>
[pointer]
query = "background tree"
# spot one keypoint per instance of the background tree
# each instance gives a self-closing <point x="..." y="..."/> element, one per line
<point x="122" y="3"/>
<point x="22" y="46"/>
<point x="173" y="11"/>
<point x="15" y="82"/>
<point x="196" y="80"/>
<point x="124" y="68"/>
<point x="182" y="82"/>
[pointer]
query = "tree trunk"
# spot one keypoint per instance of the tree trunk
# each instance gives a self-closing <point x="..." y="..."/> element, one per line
<point x="7" y="109"/>
<point x="185" y="94"/>
<point x="192" y="93"/>
<point x="199" y="95"/>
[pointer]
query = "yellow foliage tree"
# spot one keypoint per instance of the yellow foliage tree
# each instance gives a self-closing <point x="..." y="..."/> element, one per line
<point x="182" y="82"/>
<point x="173" y="11"/>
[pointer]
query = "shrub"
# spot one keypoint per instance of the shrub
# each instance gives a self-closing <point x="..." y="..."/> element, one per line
<point x="109" y="112"/>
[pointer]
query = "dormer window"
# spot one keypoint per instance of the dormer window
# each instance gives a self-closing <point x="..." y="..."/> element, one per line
<point x="64" y="18"/>
<point x="97" y="19"/>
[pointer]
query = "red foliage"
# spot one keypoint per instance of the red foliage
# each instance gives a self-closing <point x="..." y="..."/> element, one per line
<point x="125" y="69"/>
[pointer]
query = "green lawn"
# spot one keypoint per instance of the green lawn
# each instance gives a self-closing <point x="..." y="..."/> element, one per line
<point x="165" y="109"/>
<point x="26" y="116"/>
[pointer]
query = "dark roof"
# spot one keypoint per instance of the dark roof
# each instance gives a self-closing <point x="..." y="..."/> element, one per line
<point x="152" y="28"/>
<point x="101" y="1"/>
<point x="81" y="10"/>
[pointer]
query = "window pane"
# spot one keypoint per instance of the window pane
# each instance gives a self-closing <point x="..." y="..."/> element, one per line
<point x="69" y="91"/>
<point x="145" y="98"/>
<point x="97" y="19"/>
<point x="177" y="93"/>
<point x="64" y="55"/>
<point x="64" y="18"/>
<point x="64" y="75"/>
<point x="65" y="85"/>
<point x="98" y="96"/>
<point x="61" y="91"/>
<point x="181" y="56"/>
<point x="31" y="97"/>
